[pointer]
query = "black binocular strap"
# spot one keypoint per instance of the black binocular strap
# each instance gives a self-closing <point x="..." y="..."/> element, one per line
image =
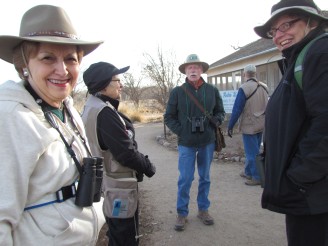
<point x="197" y="103"/>
<point x="48" y="115"/>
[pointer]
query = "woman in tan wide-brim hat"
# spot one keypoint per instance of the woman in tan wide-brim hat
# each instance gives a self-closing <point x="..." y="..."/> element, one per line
<point x="296" y="119"/>
<point x="42" y="139"/>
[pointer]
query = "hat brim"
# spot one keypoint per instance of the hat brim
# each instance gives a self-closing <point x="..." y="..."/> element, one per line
<point x="118" y="71"/>
<point x="122" y="70"/>
<point x="110" y="76"/>
<point x="263" y="29"/>
<point x="98" y="76"/>
<point x="8" y="43"/>
<point x="182" y="68"/>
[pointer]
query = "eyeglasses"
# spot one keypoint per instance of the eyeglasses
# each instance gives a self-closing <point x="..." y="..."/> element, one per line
<point x="116" y="80"/>
<point x="283" y="28"/>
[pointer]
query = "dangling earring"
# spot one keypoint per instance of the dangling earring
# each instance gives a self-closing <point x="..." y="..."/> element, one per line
<point x="25" y="72"/>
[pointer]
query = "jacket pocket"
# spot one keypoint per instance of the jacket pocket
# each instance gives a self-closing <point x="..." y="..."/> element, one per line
<point x="121" y="197"/>
<point x="317" y="196"/>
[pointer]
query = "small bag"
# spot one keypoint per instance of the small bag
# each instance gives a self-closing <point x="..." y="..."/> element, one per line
<point x="220" y="141"/>
<point x="121" y="197"/>
<point x="260" y="165"/>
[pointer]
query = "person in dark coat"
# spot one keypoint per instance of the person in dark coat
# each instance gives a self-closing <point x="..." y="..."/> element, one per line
<point x="195" y="128"/>
<point x="111" y="135"/>
<point x="296" y="132"/>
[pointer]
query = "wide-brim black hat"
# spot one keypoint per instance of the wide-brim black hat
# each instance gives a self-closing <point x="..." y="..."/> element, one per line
<point x="99" y="75"/>
<point x="303" y="7"/>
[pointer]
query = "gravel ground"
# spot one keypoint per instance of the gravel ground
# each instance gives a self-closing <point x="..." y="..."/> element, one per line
<point x="239" y="218"/>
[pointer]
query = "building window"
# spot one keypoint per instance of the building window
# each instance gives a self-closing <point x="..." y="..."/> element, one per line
<point x="263" y="76"/>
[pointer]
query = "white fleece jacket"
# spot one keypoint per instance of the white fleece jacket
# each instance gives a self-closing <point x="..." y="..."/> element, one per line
<point x="34" y="165"/>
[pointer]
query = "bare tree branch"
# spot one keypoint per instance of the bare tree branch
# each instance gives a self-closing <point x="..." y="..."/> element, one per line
<point x="132" y="88"/>
<point x="162" y="71"/>
<point x="79" y="93"/>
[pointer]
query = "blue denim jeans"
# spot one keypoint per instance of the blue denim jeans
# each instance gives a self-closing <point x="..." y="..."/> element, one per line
<point x="252" y="144"/>
<point x="187" y="160"/>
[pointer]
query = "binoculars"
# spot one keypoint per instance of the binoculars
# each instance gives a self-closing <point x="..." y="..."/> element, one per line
<point x="197" y="124"/>
<point x="89" y="185"/>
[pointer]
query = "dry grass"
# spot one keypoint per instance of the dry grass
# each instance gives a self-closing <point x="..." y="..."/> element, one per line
<point x="132" y="113"/>
<point x="148" y="111"/>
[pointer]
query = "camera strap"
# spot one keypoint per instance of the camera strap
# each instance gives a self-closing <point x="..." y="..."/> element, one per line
<point x="46" y="108"/>
<point x="197" y="103"/>
<point x="50" y="118"/>
<point x="220" y="142"/>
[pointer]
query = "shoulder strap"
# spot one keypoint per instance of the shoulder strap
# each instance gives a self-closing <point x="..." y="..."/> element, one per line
<point x="298" y="73"/>
<point x="191" y="96"/>
<point x="48" y="115"/>
<point x="258" y="85"/>
<point x="265" y="88"/>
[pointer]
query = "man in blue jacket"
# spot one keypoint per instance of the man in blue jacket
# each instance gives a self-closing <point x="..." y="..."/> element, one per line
<point x="193" y="111"/>
<point x="249" y="107"/>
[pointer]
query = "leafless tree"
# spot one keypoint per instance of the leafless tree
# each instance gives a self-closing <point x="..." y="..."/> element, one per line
<point x="79" y="87"/>
<point x="132" y="88"/>
<point x="162" y="71"/>
<point x="79" y="93"/>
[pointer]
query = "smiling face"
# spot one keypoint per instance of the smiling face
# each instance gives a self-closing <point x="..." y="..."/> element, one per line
<point x="193" y="72"/>
<point x="297" y="29"/>
<point x="53" y="71"/>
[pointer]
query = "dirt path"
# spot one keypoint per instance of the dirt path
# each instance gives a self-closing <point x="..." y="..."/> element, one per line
<point x="239" y="218"/>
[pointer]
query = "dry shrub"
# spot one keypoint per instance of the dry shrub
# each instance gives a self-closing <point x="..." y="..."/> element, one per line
<point x="146" y="112"/>
<point x="131" y="112"/>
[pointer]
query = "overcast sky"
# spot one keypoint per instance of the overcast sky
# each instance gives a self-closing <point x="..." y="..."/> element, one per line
<point x="130" y="28"/>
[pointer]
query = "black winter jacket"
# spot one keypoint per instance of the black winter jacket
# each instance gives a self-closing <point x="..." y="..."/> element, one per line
<point x="113" y="136"/>
<point x="296" y="135"/>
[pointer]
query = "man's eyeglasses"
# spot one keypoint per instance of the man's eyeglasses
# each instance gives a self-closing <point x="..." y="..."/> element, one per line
<point x="283" y="28"/>
<point x="116" y="80"/>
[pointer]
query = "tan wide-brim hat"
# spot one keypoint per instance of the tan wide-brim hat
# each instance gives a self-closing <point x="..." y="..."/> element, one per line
<point x="193" y="59"/>
<point x="302" y="7"/>
<point x="46" y="24"/>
